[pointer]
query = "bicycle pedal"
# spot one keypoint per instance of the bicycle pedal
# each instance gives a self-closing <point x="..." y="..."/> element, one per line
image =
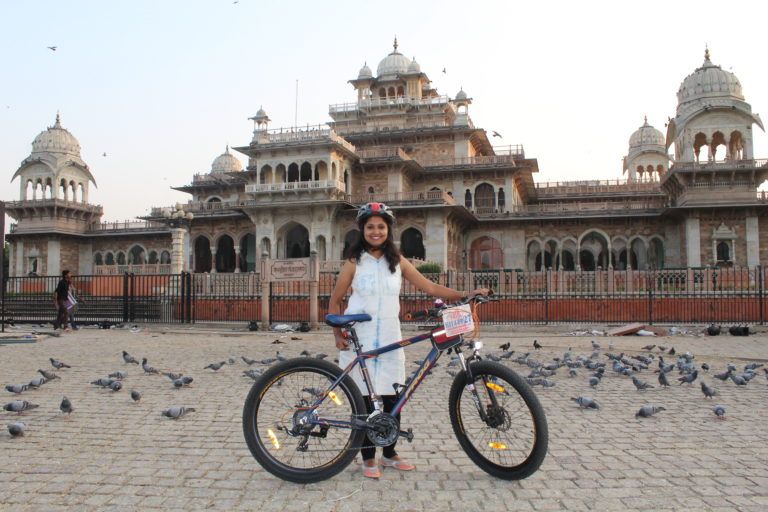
<point x="407" y="434"/>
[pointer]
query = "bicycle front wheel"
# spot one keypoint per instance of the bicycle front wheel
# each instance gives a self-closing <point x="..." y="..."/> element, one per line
<point x="509" y="439"/>
<point x="275" y="421"/>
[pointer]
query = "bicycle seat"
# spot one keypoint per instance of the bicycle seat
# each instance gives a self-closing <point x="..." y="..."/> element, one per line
<point x="346" y="320"/>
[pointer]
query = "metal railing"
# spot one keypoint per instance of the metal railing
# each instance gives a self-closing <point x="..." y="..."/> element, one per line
<point x="127" y="225"/>
<point x="302" y="134"/>
<point x="719" y="165"/>
<point x="686" y="295"/>
<point x="45" y="202"/>
<point x="258" y="188"/>
<point x="401" y="101"/>
<point x="402" y="198"/>
<point x="385" y="153"/>
<point x="469" y="161"/>
<point x="565" y="188"/>
<point x="575" y="208"/>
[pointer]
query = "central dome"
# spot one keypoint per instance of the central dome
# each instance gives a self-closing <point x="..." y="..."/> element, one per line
<point x="646" y="135"/>
<point x="393" y="64"/>
<point x="226" y="162"/>
<point x="709" y="81"/>
<point x="56" y="139"/>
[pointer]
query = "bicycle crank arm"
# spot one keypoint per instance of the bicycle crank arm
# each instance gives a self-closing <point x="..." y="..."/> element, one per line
<point x="407" y="434"/>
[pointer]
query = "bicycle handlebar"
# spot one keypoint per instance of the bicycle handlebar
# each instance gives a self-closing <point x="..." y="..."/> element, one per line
<point x="422" y="314"/>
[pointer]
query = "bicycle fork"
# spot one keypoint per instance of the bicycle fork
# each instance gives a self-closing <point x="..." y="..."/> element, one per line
<point x="471" y="385"/>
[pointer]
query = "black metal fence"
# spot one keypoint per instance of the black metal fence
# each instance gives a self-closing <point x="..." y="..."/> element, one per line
<point x="687" y="295"/>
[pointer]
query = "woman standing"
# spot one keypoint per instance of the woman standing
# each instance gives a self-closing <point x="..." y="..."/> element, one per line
<point x="375" y="269"/>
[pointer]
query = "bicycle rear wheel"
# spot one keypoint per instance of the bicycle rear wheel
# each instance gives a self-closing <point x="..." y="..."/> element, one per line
<point x="275" y="407"/>
<point x="511" y="442"/>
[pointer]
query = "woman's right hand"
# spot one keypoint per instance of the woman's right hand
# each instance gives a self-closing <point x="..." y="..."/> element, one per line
<point x="341" y="341"/>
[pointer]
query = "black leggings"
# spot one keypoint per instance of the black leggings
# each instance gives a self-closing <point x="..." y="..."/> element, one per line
<point x="369" y="450"/>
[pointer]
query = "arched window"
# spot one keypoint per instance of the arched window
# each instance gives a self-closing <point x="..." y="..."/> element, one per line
<point x="293" y="172"/>
<point x="297" y="242"/>
<point x="370" y="190"/>
<point x="214" y="200"/>
<point x="306" y="172"/>
<point x="248" y="253"/>
<point x="97" y="259"/>
<point x="202" y="254"/>
<point x="352" y="236"/>
<point x="265" y="176"/>
<point x="723" y="251"/>
<point x="136" y="255"/>
<point x="382" y="92"/>
<point x="121" y="258"/>
<point x="165" y="258"/>
<point x="412" y="244"/>
<point x="320" y="248"/>
<point x="152" y="258"/>
<point x="502" y="199"/>
<point x="484" y="197"/>
<point x="391" y="92"/>
<point x="468" y="199"/>
<point x="225" y="254"/>
<point x="109" y="259"/>
<point x="485" y="253"/>
<point x="400" y="91"/>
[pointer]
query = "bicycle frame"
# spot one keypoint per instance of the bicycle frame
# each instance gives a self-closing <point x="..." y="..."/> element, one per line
<point x="405" y="394"/>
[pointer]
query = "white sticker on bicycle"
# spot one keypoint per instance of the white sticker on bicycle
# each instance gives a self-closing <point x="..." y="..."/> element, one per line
<point x="458" y="320"/>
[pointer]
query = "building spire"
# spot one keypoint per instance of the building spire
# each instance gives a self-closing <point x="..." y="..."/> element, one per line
<point x="395" y="45"/>
<point x="706" y="53"/>
<point x="645" y="120"/>
<point x="58" y="120"/>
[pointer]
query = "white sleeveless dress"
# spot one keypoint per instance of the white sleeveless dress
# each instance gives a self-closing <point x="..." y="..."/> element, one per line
<point x="376" y="291"/>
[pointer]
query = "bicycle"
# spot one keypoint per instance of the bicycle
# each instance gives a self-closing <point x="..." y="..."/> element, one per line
<point x="305" y="420"/>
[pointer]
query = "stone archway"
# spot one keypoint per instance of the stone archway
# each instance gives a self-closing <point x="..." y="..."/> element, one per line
<point x="225" y="254"/>
<point x="485" y="253"/>
<point x="248" y="253"/>
<point x="296" y="241"/>
<point x="412" y="244"/>
<point x="202" y="254"/>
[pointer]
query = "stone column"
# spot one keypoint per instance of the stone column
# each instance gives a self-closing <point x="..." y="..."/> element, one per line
<point x="19" y="259"/>
<point x="264" y="291"/>
<point x="314" y="275"/>
<point x="213" y="260"/>
<point x="53" y="266"/>
<point x="753" y="241"/>
<point x="237" y="259"/>
<point x="692" y="242"/>
<point x="435" y="243"/>
<point x="178" y="239"/>
<point x="514" y="249"/>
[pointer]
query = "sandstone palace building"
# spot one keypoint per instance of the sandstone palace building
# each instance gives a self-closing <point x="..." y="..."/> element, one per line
<point x="687" y="198"/>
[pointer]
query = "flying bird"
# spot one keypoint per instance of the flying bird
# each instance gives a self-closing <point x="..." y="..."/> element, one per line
<point x="444" y="70"/>
<point x="52" y="48"/>
<point x="496" y="134"/>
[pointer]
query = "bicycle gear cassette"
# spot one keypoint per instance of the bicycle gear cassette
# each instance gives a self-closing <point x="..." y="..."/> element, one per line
<point x="383" y="429"/>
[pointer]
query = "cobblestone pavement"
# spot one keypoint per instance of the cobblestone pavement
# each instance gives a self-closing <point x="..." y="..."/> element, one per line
<point x="114" y="454"/>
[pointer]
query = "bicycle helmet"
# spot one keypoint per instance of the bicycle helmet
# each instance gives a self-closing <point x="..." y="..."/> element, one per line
<point x="371" y="209"/>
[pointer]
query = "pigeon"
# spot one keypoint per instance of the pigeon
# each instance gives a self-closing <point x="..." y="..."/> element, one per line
<point x="36" y="383"/>
<point x="268" y="360"/>
<point x="295" y="338"/>
<point x="505" y="346"/>
<point x="713" y="330"/>
<point x="116" y="386"/>
<point x="649" y="347"/>
<point x="647" y="411"/>
<point x="708" y="391"/>
<point x="19" y="406"/>
<point x="215" y="366"/>
<point x="493" y="357"/>
<point x="303" y="353"/>
<point x="280" y="357"/>
<point x="595" y="345"/>
<point x="688" y="379"/>
<point x="320" y="355"/>
<point x="249" y="361"/>
<point x="572" y="372"/>
<point x="277" y="342"/>
<point x="738" y="380"/>
<point x="58" y="364"/>
<point x="253" y="374"/>
<point x="16" y="429"/>
<point x="594" y="381"/>
<point x="16" y="388"/>
<point x="671" y="351"/>
<point x="494" y="133"/>
<point x="52" y="48"/>
<point x="128" y="358"/>
<point x="705" y="367"/>
<point x="103" y="382"/>
<point x="753" y="366"/>
<point x="182" y="381"/>
<point x="173" y="376"/>
<point x="117" y="375"/>
<point x="640" y="385"/>
<point x="663" y="380"/>
<point x="66" y="406"/>
<point x="536" y="345"/>
<point x="231" y="360"/>
<point x="135" y="395"/>
<point x="48" y="375"/>
<point x="147" y="369"/>
<point x="586" y="403"/>
<point x="723" y="376"/>
<point x="177" y="411"/>
<point x="719" y="411"/>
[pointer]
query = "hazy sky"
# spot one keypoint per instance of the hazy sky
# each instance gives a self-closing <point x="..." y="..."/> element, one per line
<point x="163" y="86"/>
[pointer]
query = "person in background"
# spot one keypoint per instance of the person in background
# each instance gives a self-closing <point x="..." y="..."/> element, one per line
<point x="60" y="300"/>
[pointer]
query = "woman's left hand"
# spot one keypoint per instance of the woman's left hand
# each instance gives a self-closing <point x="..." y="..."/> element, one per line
<point x="480" y="291"/>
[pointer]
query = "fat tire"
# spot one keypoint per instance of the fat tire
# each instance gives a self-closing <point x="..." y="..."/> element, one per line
<point x="541" y="436"/>
<point x="250" y="413"/>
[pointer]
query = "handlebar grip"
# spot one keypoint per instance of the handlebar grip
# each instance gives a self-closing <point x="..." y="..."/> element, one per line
<point x="417" y="315"/>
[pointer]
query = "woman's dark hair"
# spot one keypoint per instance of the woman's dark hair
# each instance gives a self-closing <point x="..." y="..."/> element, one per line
<point x="389" y="249"/>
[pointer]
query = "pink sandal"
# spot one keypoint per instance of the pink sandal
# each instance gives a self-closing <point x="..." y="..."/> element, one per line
<point x="371" y="471"/>
<point x="398" y="464"/>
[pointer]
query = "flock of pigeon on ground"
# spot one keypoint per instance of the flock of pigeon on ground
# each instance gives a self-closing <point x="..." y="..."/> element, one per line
<point x="114" y="382"/>
<point x="629" y="366"/>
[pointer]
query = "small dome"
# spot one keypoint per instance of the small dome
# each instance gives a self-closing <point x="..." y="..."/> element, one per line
<point x="56" y="139"/>
<point x="226" y="162"/>
<point x="365" y="72"/>
<point x="414" y="67"/>
<point x="461" y="95"/>
<point x="646" y="135"/>
<point x="393" y="64"/>
<point x="709" y="81"/>
<point x="261" y="113"/>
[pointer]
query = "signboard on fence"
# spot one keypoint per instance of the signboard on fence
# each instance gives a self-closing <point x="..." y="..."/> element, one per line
<point x="297" y="269"/>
